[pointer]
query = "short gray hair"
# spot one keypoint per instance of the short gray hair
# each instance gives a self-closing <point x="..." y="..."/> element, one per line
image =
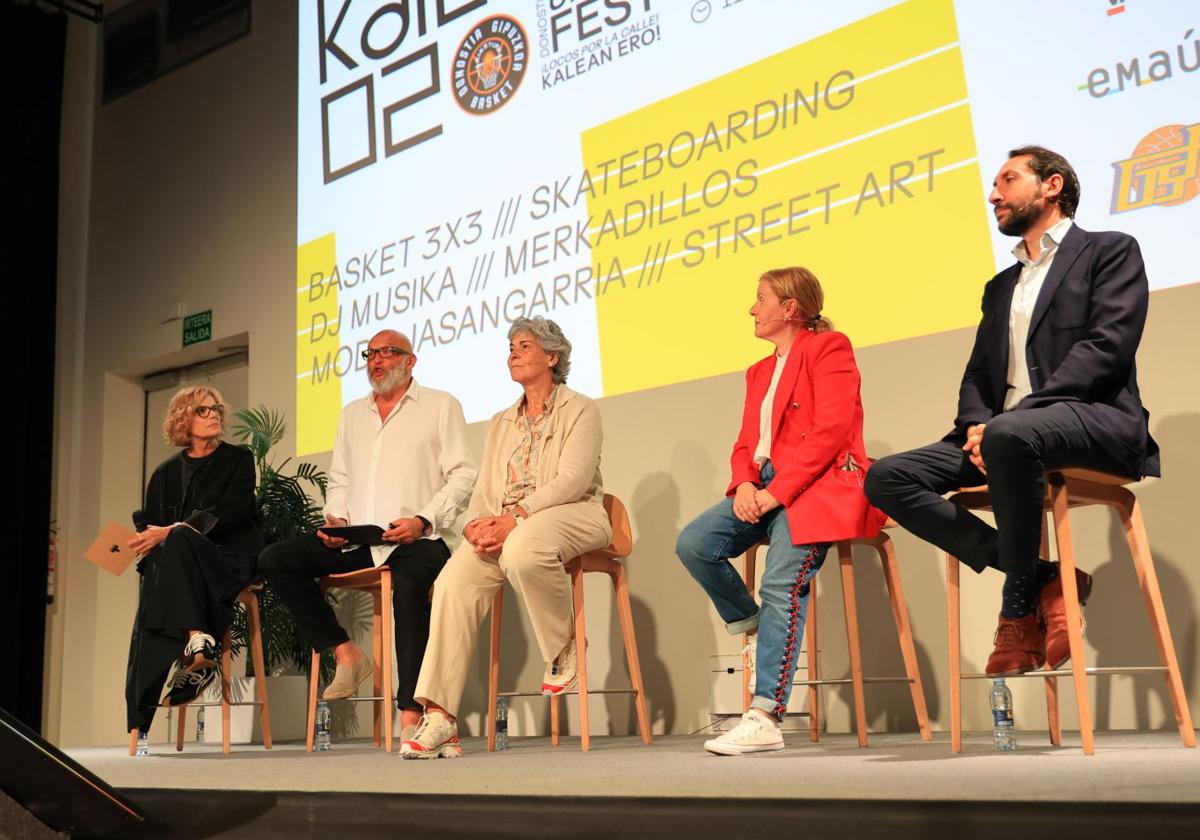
<point x="550" y="336"/>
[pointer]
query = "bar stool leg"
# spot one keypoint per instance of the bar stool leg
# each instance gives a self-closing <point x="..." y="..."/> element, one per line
<point x="555" y="722"/>
<point x="179" y="728"/>
<point x="846" y="563"/>
<point x="749" y="561"/>
<point x="133" y="736"/>
<point x="955" y="639"/>
<point x="494" y="668"/>
<point x="891" y="576"/>
<point x="377" y="676"/>
<point x="1143" y="562"/>
<point x="314" y="677"/>
<point x="625" y="616"/>
<point x="254" y="626"/>
<point x="581" y="656"/>
<point x="814" y="664"/>
<point x="1066" y="562"/>
<point x="388" y="695"/>
<point x="226" y="693"/>
<point x="1052" y="720"/>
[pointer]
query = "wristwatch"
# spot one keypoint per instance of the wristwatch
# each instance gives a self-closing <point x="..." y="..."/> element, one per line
<point x="428" y="525"/>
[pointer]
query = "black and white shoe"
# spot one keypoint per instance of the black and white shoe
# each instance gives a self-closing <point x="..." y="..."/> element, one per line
<point x="186" y="686"/>
<point x="194" y="671"/>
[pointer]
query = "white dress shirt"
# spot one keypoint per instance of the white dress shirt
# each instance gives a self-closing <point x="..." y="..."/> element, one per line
<point x="414" y="463"/>
<point x="1025" y="295"/>
<point x="762" y="452"/>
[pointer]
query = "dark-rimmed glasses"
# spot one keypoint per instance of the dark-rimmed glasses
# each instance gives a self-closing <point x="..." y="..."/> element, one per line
<point x="384" y="353"/>
<point x="205" y="410"/>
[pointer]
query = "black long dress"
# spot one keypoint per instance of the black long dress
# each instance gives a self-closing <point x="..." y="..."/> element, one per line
<point x="191" y="579"/>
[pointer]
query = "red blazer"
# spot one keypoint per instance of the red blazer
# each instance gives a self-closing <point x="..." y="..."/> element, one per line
<point x="816" y="444"/>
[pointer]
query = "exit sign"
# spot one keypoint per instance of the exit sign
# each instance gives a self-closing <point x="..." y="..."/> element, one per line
<point x="197" y="328"/>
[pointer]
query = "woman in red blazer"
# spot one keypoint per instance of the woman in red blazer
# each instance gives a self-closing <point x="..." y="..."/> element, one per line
<point x="798" y="467"/>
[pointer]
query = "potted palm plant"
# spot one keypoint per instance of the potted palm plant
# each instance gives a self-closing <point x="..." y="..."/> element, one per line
<point x="286" y="510"/>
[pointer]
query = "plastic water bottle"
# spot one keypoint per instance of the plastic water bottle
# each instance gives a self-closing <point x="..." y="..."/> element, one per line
<point x="143" y="746"/>
<point x="200" y="725"/>
<point x="501" y="723"/>
<point x="323" y="721"/>
<point x="1003" y="734"/>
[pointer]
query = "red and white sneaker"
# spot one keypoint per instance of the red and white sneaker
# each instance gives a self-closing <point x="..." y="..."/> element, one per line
<point x="561" y="674"/>
<point x="436" y="737"/>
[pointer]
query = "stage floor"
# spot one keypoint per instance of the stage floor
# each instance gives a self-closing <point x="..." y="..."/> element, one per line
<point x="1150" y="767"/>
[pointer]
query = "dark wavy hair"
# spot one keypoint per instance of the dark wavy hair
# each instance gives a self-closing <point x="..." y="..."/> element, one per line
<point x="1045" y="163"/>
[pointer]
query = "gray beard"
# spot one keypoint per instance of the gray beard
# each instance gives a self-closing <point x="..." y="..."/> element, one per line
<point x="392" y="380"/>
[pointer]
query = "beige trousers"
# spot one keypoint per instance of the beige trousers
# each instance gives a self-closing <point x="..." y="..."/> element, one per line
<point x="532" y="560"/>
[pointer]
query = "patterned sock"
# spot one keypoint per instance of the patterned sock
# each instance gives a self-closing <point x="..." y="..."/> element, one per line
<point x="1019" y="596"/>
<point x="1046" y="573"/>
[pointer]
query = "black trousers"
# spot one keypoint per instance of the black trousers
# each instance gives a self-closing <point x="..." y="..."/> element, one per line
<point x="293" y="566"/>
<point x="1018" y="447"/>
<point x="187" y="583"/>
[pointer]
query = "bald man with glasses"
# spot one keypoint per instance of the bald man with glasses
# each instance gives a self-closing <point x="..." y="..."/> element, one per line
<point x="400" y="461"/>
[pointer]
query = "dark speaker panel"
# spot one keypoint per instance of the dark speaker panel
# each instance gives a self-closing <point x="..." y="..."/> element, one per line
<point x="58" y="791"/>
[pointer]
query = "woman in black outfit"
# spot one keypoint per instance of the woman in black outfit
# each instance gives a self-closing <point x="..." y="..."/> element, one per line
<point x="200" y="541"/>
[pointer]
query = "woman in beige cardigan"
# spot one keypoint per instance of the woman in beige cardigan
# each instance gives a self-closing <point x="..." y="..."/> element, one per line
<point x="538" y="502"/>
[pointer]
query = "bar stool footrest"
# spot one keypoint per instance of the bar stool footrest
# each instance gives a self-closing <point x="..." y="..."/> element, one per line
<point x="1067" y="672"/>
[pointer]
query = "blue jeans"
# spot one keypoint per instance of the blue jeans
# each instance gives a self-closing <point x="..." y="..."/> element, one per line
<point x="706" y="545"/>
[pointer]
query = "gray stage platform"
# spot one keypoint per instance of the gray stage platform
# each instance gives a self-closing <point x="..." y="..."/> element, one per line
<point x="1127" y="767"/>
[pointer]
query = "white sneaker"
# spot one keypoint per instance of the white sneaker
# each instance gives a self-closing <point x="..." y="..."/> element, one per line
<point x="756" y="733"/>
<point x="561" y="674"/>
<point x="436" y="737"/>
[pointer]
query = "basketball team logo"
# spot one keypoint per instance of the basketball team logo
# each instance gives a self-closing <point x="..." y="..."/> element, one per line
<point x="1163" y="171"/>
<point x="489" y="64"/>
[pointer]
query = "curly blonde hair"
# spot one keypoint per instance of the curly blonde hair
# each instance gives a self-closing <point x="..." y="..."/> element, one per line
<point x="177" y="425"/>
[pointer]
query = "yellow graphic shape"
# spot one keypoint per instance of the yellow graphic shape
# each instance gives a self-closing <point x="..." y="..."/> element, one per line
<point x="318" y="389"/>
<point x="880" y="198"/>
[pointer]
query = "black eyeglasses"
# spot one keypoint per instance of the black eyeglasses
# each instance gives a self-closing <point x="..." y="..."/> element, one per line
<point x="205" y="410"/>
<point x="385" y="353"/>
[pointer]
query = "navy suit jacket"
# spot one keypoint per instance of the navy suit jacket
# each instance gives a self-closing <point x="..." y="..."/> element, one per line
<point x="1085" y="330"/>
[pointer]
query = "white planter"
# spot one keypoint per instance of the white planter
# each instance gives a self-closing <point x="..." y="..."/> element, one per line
<point x="287" y="696"/>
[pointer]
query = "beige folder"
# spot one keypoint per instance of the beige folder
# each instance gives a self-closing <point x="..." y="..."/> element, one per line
<point x="111" y="549"/>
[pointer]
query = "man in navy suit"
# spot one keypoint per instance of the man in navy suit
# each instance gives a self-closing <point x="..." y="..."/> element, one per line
<point x="1050" y="383"/>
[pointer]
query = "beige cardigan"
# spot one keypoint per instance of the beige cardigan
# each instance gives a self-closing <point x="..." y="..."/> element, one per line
<point x="569" y="467"/>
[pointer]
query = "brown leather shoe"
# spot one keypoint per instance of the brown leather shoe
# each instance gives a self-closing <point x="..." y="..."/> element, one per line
<point x="1053" y="611"/>
<point x="1020" y="647"/>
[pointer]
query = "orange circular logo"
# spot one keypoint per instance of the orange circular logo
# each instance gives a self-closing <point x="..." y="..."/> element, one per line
<point x="489" y="64"/>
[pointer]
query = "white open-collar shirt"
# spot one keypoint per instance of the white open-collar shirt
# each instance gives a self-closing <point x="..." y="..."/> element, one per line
<point x="414" y="463"/>
<point x="1025" y="295"/>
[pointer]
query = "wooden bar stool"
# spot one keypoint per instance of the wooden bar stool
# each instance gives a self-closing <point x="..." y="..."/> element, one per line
<point x="248" y="598"/>
<point x="606" y="560"/>
<point x="1065" y="489"/>
<point x="377" y="581"/>
<point x="891" y="574"/>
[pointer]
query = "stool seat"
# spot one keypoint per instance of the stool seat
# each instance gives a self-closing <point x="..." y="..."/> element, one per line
<point x="378" y="582"/>
<point x="1069" y="473"/>
<point x="1067" y="488"/>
